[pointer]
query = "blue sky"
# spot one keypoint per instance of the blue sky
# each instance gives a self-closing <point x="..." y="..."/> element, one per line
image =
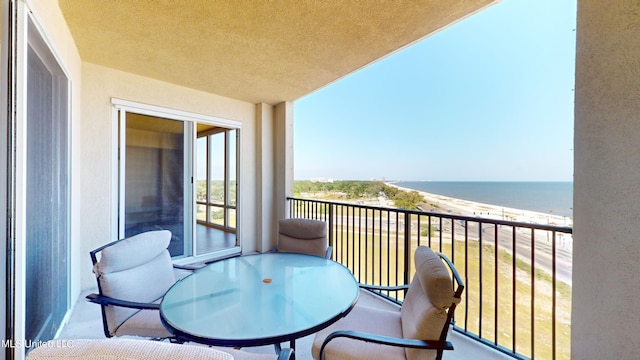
<point x="487" y="99"/>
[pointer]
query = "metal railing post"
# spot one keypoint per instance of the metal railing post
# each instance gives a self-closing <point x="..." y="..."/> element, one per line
<point x="331" y="228"/>
<point x="407" y="248"/>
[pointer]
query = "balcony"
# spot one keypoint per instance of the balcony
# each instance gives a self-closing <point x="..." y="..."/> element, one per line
<point x="522" y="266"/>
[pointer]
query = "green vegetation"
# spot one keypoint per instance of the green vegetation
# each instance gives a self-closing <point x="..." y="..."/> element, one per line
<point x="358" y="190"/>
<point x="344" y="189"/>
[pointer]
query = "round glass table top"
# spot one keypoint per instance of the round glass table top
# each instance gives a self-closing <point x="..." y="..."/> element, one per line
<point x="259" y="299"/>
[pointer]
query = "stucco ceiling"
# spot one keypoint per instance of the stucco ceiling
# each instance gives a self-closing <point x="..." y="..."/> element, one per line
<point x="251" y="50"/>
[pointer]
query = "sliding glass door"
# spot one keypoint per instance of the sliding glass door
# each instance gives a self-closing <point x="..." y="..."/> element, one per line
<point x="178" y="174"/>
<point x="47" y="212"/>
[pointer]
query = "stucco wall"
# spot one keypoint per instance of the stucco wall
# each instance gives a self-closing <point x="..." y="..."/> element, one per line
<point x="606" y="295"/>
<point x="100" y="84"/>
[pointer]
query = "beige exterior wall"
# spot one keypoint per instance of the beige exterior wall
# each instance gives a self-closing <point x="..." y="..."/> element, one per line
<point x="606" y="265"/>
<point x="98" y="139"/>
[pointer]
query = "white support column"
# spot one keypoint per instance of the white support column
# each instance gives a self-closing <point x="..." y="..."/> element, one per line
<point x="265" y="178"/>
<point x="284" y="157"/>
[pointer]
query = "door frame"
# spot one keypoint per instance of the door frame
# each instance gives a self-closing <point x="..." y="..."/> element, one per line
<point x="119" y="109"/>
<point x="29" y="32"/>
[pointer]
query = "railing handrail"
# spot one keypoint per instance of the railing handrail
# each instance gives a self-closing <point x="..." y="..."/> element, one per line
<point x="529" y="225"/>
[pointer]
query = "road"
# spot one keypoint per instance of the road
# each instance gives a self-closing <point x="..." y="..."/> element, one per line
<point x="523" y="239"/>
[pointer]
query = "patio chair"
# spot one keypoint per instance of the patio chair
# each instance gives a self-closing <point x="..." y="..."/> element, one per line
<point x="133" y="275"/>
<point x="417" y="331"/>
<point x="135" y="349"/>
<point x="304" y="236"/>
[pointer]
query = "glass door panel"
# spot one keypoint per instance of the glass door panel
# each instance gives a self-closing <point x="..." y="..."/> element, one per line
<point x="232" y="218"/>
<point x="216" y="188"/>
<point x="216" y="215"/>
<point x="216" y="169"/>
<point x="155" y="190"/>
<point x="201" y="175"/>
<point x="232" y="174"/>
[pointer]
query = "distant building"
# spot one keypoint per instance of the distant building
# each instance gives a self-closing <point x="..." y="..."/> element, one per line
<point x="322" y="180"/>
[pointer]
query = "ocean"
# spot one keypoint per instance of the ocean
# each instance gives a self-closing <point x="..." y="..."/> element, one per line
<point x="545" y="197"/>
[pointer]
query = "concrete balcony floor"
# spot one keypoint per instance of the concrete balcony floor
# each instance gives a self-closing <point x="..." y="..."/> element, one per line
<point x="85" y="322"/>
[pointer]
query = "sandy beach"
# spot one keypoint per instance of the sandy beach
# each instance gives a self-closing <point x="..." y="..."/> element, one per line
<point x="449" y="205"/>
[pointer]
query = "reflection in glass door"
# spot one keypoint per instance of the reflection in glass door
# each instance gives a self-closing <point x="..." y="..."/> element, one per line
<point x="155" y="192"/>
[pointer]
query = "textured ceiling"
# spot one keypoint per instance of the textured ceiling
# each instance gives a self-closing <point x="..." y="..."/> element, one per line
<point x="251" y="50"/>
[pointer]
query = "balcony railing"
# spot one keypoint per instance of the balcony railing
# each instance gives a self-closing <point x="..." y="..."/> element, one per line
<point x="517" y="275"/>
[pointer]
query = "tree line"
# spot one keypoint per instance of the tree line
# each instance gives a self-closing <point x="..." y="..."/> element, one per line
<point x="360" y="190"/>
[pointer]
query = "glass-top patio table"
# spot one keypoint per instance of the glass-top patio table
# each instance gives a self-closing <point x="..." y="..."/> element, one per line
<point x="259" y="300"/>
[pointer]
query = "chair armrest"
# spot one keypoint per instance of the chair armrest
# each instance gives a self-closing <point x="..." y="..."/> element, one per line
<point x="386" y="340"/>
<point x="387" y="288"/>
<point x="329" y="252"/>
<point x="182" y="271"/>
<point x="106" y="301"/>
<point x="286" y="354"/>
<point x="186" y="267"/>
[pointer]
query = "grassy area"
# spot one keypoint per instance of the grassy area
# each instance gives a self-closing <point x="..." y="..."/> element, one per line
<point x="375" y="258"/>
<point x="513" y="296"/>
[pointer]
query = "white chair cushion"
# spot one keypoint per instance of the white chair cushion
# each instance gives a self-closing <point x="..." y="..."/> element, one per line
<point x="137" y="268"/>
<point x="146" y="283"/>
<point x="317" y="247"/>
<point x="434" y="277"/>
<point x="305" y="236"/>
<point x="424" y="309"/>
<point x="367" y="319"/>
<point x="422" y="316"/>
<point x="133" y="251"/>
<point x="303" y="228"/>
